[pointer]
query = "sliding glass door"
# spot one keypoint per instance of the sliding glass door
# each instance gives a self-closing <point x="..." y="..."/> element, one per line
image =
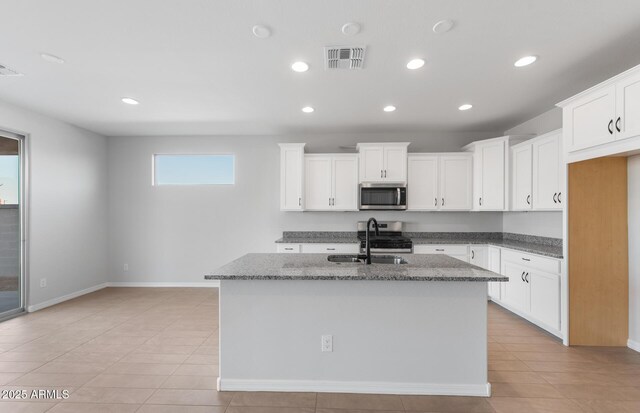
<point x="12" y="282"/>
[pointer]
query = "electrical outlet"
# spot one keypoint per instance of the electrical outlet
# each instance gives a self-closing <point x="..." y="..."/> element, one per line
<point x="327" y="343"/>
<point x="126" y="267"/>
<point x="43" y="282"/>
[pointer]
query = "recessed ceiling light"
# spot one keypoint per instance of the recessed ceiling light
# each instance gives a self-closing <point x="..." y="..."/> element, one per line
<point x="300" y="67"/>
<point x="51" y="58"/>
<point x="350" y="29"/>
<point x="442" y="26"/>
<point x="466" y="106"/>
<point x="307" y="109"/>
<point x="525" y="61"/>
<point x="130" y="101"/>
<point x="415" y="64"/>
<point x="260" y="31"/>
<point x="389" y="108"/>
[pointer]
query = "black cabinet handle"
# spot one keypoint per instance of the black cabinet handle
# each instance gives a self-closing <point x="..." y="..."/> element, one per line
<point x="528" y="199"/>
<point x="331" y="249"/>
<point x="559" y="200"/>
<point x="618" y="124"/>
<point x="381" y="174"/>
<point x="526" y="259"/>
<point x="526" y="278"/>
<point x="610" y="126"/>
<point x="473" y="255"/>
<point x="299" y="201"/>
<point x="555" y="199"/>
<point x="442" y="201"/>
<point x="288" y="249"/>
<point x="439" y="249"/>
<point x="480" y="201"/>
<point x="522" y="276"/>
<point x="436" y="202"/>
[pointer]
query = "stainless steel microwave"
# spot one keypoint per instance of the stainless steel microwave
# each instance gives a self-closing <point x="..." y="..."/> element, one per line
<point x="385" y="196"/>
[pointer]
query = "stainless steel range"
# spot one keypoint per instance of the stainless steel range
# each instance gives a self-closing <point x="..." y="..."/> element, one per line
<point x="389" y="240"/>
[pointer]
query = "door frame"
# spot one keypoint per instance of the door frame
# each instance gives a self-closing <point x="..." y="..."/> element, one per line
<point x="23" y="208"/>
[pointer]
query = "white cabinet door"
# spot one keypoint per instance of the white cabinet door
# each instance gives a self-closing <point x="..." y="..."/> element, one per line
<point x="317" y="183"/>
<point x="545" y="297"/>
<point x="395" y="163"/>
<point x="627" y="122"/>
<point x="478" y="255"/>
<point x="345" y="183"/>
<point x="291" y="176"/>
<point x="422" y="183"/>
<point x="546" y="173"/>
<point x="515" y="292"/>
<point x="371" y="163"/>
<point x="521" y="173"/>
<point x="589" y="121"/>
<point x="456" y="191"/>
<point x="493" y="176"/>
<point x="493" y="264"/>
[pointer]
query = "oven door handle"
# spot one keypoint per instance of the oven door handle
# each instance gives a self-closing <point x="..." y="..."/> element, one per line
<point x="398" y="189"/>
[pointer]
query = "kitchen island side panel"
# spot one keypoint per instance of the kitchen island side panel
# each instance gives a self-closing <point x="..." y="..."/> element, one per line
<point x="388" y="336"/>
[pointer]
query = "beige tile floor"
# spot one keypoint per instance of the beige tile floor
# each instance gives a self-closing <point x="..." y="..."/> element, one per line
<point x="155" y="351"/>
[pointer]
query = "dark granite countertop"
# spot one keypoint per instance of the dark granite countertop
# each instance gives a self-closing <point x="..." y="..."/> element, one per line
<point x="548" y="247"/>
<point x="419" y="267"/>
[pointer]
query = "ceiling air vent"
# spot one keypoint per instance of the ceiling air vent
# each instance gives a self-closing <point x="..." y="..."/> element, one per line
<point x="5" y="71"/>
<point x="344" y="57"/>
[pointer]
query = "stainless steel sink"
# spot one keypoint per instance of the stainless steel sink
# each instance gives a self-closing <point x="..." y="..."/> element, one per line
<point x="375" y="259"/>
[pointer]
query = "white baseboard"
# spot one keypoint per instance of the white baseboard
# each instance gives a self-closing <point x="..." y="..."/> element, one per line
<point x="63" y="298"/>
<point x="479" y="390"/>
<point x="633" y="345"/>
<point x="205" y="284"/>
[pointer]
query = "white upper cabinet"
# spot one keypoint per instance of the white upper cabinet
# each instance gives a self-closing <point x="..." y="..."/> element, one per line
<point x="291" y="176"/>
<point x="627" y="123"/>
<point x="456" y="182"/>
<point x="318" y="181"/>
<point x="422" y="182"/>
<point x="491" y="179"/>
<point x="589" y="121"/>
<point x="345" y="182"/>
<point x="331" y="182"/>
<point x="439" y="182"/>
<point x="521" y="167"/>
<point x="383" y="162"/>
<point x="548" y="172"/>
<point x="603" y="120"/>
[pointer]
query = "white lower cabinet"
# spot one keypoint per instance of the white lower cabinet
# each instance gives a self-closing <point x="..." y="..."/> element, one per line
<point x="533" y="289"/>
<point x="545" y="297"/>
<point x="319" y="248"/>
<point x="460" y="252"/>
<point x="493" y="264"/>
<point x="478" y="256"/>
<point x="331" y="248"/>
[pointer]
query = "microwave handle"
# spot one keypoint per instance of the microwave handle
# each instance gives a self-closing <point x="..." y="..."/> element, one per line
<point x="398" y="196"/>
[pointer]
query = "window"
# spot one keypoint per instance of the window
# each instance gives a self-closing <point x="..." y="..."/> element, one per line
<point x="193" y="169"/>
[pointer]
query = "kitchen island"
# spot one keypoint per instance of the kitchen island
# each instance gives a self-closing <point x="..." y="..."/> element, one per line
<point x="414" y="328"/>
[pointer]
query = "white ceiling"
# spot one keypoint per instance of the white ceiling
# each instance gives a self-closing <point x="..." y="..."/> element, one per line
<point x="197" y="69"/>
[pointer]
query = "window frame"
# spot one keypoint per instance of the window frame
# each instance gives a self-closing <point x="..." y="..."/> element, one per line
<point x="153" y="168"/>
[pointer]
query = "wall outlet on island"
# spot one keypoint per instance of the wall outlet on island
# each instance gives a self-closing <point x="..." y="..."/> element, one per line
<point x="126" y="267"/>
<point x="43" y="282"/>
<point x="327" y="343"/>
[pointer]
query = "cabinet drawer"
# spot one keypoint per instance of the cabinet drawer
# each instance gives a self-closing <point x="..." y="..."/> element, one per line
<point x="441" y="249"/>
<point x="551" y="265"/>
<point x="331" y="248"/>
<point x="288" y="248"/>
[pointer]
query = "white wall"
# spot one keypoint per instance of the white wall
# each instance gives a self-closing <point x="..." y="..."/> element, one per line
<point x="176" y="234"/>
<point x="633" y="194"/>
<point x="68" y="215"/>
<point x="544" y="224"/>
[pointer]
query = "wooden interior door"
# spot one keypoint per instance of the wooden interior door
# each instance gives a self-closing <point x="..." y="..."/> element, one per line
<point x="598" y="253"/>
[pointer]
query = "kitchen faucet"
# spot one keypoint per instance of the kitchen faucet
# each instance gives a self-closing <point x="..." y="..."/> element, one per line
<point x="367" y="257"/>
